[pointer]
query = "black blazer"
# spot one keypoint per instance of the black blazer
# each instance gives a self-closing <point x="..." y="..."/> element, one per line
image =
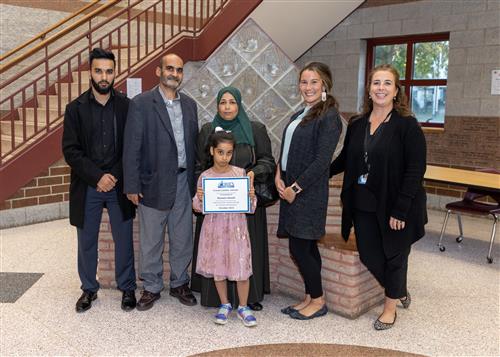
<point x="396" y="176"/>
<point x="150" y="152"/>
<point x="309" y="157"/>
<point x="76" y="141"/>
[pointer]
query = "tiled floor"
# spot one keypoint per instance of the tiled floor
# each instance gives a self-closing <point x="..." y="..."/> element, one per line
<point x="455" y="308"/>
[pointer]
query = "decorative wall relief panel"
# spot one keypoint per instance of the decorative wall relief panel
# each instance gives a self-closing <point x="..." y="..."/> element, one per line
<point x="250" y="61"/>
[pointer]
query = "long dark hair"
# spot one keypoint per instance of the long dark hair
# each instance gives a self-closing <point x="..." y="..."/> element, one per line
<point x="320" y="108"/>
<point x="214" y="140"/>
<point x="401" y="101"/>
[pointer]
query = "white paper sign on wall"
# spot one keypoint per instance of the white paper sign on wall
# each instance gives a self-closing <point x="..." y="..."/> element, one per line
<point x="495" y="82"/>
<point x="134" y="87"/>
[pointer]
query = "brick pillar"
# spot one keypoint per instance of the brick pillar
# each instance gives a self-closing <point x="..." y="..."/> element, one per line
<point x="350" y="290"/>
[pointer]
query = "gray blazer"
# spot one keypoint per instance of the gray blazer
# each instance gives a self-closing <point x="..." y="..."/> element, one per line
<point x="150" y="153"/>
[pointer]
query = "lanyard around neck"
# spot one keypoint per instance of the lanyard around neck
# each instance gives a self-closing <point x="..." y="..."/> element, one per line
<point x="367" y="135"/>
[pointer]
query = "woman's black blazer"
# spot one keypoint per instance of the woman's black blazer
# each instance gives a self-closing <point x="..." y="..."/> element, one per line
<point x="396" y="176"/>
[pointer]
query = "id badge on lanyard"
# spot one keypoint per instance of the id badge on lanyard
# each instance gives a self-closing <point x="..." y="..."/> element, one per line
<point x="362" y="179"/>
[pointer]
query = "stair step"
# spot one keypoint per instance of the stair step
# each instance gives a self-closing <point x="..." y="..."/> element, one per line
<point x="20" y="143"/>
<point x="41" y="114"/>
<point x="7" y="138"/>
<point x="6" y="128"/>
<point x="122" y="53"/>
<point x="74" y="89"/>
<point x="6" y="146"/>
<point x="53" y="101"/>
<point x="85" y="78"/>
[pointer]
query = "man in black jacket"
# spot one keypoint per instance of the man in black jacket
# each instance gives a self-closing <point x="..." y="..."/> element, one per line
<point x="92" y="145"/>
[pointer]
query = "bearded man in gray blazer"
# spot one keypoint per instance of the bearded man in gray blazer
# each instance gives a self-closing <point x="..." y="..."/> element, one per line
<point x="158" y="164"/>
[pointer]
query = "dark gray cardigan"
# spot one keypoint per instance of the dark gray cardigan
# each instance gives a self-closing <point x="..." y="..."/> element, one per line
<point x="309" y="157"/>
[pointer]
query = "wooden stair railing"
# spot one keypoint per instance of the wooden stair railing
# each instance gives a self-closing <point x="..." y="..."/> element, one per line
<point x="138" y="34"/>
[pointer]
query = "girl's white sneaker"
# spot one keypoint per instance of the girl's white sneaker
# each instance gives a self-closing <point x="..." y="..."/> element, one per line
<point x="223" y="313"/>
<point x="246" y="316"/>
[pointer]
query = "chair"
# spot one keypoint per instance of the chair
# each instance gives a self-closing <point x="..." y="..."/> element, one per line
<point x="471" y="206"/>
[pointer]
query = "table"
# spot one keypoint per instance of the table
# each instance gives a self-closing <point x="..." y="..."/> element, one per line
<point x="469" y="178"/>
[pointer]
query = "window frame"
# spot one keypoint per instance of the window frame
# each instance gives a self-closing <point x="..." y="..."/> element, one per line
<point x="408" y="82"/>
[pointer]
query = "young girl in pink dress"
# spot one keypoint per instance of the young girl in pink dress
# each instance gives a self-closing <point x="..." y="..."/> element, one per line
<point x="224" y="249"/>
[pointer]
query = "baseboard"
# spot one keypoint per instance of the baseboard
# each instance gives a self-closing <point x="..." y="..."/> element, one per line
<point x="33" y="214"/>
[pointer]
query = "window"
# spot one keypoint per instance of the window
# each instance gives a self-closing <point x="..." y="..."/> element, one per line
<point x="422" y="62"/>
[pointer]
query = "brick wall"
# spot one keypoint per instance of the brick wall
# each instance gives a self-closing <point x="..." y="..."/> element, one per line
<point x="50" y="186"/>
<point x="466" y="142"/>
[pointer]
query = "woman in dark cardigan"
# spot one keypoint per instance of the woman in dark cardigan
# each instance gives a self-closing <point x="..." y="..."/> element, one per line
<point x="384" y="160"/>
<point x="308" y="143"/>
<point x="252" y="152"/>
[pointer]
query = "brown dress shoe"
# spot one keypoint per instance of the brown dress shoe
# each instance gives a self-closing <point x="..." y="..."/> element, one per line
<point x="184" y="294"/>
<point x="147" y="300"/>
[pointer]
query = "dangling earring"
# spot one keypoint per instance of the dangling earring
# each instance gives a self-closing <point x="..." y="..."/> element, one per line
<point x="394" y="99"/>
<point x="323" y="96"/>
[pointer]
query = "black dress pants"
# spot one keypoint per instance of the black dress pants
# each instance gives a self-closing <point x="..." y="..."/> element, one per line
<point x="390" y="271"/>
<point x="306" y="255"/>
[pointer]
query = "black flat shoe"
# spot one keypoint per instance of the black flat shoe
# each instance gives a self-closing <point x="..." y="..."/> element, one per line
<point x="85" y="301"/>
<point x="256" y="306"/>
<point x="298" y="316"/>
<point x="129" y="301"/>
<point x="288" y="310"/>
<point x="406" y="301"/>
<point x="379" y="325"/>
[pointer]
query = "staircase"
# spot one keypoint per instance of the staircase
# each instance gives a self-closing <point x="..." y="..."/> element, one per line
<point x="56" y="70"/>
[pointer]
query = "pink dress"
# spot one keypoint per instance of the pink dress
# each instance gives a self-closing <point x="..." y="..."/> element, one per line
<point x="224" y="247"/>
